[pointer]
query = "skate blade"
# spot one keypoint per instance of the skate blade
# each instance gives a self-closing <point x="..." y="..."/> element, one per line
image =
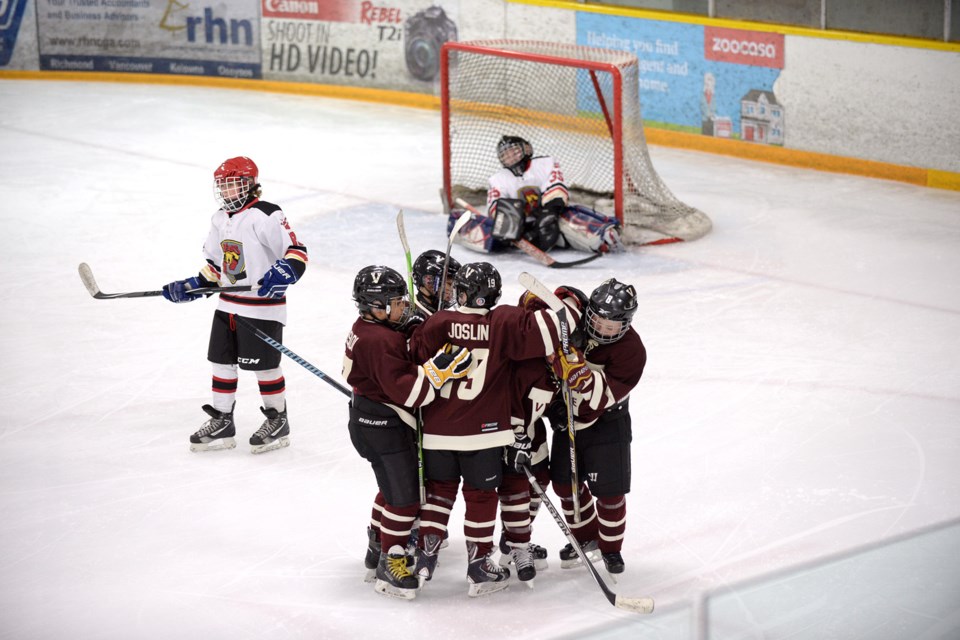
<point x="370" y="576"/>
<point x="479" y="589"/>
<point x="529" y="583"/>
<point x="541" y="565"/>
<point x="216" y="445"/>
<point x="388" y="589"/>
<point x="270" y="446"/>
<point x="593" y="556"/>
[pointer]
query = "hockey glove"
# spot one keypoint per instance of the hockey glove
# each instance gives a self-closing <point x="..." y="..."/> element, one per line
<point x="572" y="368"/>
<point x="542" y="230"/>
<point x="275" y="281"/>
<point x="531" y="302"/>
<point x="412" y="321"/>
<point x="179" y="291"/>
<point x="450" y="363"/>
<point x="520" y="453"/>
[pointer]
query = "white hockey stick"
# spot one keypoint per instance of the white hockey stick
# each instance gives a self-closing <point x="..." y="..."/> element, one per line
<point x="459" y="224"/>
<point x="637" y="605"/>
<point x="531" y="249"/>
<point x="540" y="290"/>
<point x="86" y="276"/>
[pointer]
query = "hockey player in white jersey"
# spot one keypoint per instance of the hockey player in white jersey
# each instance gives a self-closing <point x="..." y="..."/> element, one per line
<point x="528" y="198"/>
<point x="250" y="243"/>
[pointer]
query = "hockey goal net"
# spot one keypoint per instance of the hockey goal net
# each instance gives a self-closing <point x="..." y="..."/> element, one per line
<point x="580" y="105"/>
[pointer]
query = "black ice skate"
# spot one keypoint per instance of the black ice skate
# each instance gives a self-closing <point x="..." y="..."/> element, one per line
<point x="613" y="561"/>
<point x="538" y="553"/>
<point x="523" y="562"/>
<point x="393" y="576"/>
<point x="427" y="557"/>
<point x="216" y="433"/>
<point x="484" y="575"/>
<point x="274" y="433"/>
<point x="372" y="559"/>
<point x="569" y="557"/>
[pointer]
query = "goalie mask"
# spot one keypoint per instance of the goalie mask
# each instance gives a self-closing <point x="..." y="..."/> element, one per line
<point x="477" y="285"/>
<point x="514" y="154"/>
<point x="427" y="274"/>
<point x="383" y="288"/>
<point x="235" y="183"/>
<point x="610" y="311"/>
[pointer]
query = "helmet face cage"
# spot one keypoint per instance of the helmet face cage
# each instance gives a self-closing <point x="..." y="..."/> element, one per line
<point x="477" y="285"/>
<point x="428" y="272"/>
<point x="611" y="302"/>
<point x="377" y="287"/>
<point x="514" y="153"/>
<point x="235" y="183"/>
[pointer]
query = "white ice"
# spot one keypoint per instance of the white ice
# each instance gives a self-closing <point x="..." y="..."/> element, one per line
<point x="802" y="395"/>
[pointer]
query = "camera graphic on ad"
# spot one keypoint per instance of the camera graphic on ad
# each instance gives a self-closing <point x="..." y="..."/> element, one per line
<point x="425" y="32"/>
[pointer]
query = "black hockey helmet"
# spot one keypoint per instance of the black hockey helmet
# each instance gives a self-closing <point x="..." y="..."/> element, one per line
<point x="375" y="287"/>
<point x="477" y="285"/>
<point x="514" y="154"/>
<point x="611" y="302"/>
<point x="428" y="272"/>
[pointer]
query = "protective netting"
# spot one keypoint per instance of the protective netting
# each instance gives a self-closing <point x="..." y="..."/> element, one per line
<point x="562" y="98"/>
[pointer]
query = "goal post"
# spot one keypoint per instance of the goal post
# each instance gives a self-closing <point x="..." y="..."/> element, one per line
<point x="580" y="105"/>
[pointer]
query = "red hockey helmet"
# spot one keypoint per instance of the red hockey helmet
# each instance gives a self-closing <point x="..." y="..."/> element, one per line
<point x="235" y="183"/>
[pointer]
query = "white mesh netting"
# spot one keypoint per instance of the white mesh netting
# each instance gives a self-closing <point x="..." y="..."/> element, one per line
<point x="562" y="99"/>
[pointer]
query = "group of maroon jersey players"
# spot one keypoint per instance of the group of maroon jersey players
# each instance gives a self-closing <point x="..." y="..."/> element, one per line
<point x="453" y="392"/>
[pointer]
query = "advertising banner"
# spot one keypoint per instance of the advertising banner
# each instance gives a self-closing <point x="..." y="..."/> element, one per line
<point x="392" y="44"/>
<point x="11" y="14"/>
<point x="151" y="36"/>
<point x="697" y="79"/>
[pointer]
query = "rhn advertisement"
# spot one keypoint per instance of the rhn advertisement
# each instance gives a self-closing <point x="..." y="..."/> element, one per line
<point x="151" y="36"/>
<point x="391" y="44"/>
<point x="697" y="79"/>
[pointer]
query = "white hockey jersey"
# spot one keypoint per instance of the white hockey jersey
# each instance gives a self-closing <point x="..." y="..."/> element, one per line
<point x="541" y="182"/>
<point x="239" y="250"/>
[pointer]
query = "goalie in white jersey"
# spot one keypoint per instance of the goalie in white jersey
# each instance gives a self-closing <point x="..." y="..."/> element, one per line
<point x="528" y="199"/>
<point x="250" y="243"/>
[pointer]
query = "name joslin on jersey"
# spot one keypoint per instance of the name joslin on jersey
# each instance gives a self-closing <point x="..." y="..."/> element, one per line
<point x="465" y="331"/>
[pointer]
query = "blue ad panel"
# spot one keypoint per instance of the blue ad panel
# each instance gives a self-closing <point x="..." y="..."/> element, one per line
<point x="680" y="88"/>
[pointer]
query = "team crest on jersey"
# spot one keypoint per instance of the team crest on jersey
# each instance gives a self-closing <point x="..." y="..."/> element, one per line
<point x="233" y="266"/>
<point x="531" y="199"/>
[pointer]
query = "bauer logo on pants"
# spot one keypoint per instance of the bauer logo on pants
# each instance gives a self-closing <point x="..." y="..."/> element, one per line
<point x="233" y="266"/>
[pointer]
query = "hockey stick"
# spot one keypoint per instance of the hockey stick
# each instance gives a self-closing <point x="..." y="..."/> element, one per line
<point x="86" y="276"/>
<point x="532" y="250"/>
<point x="637" y="605"/>
<point x="459" y="224"/>
<point x="406" y="250"/>
<point x="537" y="288"/>
<point x="402" y="230"/>
<point x="290" y="354"/>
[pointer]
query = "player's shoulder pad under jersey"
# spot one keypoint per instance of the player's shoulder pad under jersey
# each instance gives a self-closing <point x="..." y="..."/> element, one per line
<point x="266" y="207"/>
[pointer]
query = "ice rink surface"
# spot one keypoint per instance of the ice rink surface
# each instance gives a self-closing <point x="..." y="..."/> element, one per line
<point x="802" y="394"/>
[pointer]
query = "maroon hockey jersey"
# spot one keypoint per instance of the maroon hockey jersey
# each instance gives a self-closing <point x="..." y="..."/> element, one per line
<point x="617" y="368"/>
<point x="378" y="366"/>
<point x="474" y="413"/>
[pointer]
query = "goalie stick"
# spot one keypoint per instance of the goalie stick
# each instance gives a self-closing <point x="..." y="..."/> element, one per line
<point x="86" y="276"/>
<point x="537" y="288"/>
<point x="402" y="230"/>
<point x="246" y="324"/>
<point x="637" y="605"/>
<point x="531" y="249"/>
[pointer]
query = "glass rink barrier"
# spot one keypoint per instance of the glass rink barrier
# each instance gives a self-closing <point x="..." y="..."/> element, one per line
<point x="901" y="588"/>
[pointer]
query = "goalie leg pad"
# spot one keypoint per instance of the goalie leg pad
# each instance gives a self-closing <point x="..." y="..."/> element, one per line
<point x="586" y="230"/>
